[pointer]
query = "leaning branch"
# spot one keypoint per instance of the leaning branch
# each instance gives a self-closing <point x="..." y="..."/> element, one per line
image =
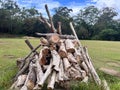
<point x="61" y="36"/>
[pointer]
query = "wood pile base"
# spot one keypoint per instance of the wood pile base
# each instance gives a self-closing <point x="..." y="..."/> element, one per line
<point x="56" y="63"/>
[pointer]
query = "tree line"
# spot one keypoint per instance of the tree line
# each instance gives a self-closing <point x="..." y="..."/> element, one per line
<point x="89" y="23"/>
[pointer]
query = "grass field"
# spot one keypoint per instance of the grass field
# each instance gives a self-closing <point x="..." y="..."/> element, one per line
<point x="103" y="53"/>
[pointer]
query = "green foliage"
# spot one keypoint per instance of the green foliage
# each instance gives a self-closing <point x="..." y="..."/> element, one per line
<point x="62" y="14"/>
<point x="108" y="34"/>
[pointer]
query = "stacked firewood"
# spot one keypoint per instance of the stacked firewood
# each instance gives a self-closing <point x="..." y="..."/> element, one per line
<point x="61" y="59"/>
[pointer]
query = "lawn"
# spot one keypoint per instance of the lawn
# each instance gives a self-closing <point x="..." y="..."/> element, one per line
<point x="103" y="53"/>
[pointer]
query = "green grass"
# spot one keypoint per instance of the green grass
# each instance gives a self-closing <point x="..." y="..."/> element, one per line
<point x="101" y="52"/>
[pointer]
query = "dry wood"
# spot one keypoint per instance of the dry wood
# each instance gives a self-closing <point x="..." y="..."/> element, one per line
<point x="21" y="80"/>
<point x="95" y="75"/>
<point x="59" y="28"/>
<point x="44" y="41"/>
<point x="24" y="87"/>
<point x="69" y="46"/>
<point x="44" y="53"/>
<point x="54" y="38"/>
<point x="32" y="79"/>
<point x="13" y="86"/>
<point x="26" y="62"/>
<point x="71" y="58"/>
<point x="24" y="68"/>
<point x="85" y="79"/>
<point x="92" y="71"/>
<point x="62" y="51"/>
<point x="61" y="36"/>
<point x="20" y="63"/>
<point x="105" y="85"/>
<point x="52" y="81"/>
<point x="75" y="74"/>
<point x="84" y="67"/>
<point x="39" y="71"/>
<point x="61" y="72"/>
<point x="50" y="18"/>
<point x="78" y="56"/>
<point x="47" y="73"/>
<point x="76" y="43"/>
<point x="30" y="46"/>
<point x="66" y="64"/>
<point x="56" y="60"/>
<point x="44" y="21"/>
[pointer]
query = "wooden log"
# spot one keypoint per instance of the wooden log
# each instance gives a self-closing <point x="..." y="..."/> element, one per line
<point x="31" y="79"/>
<point x="44" y="53"/>
<point x="52" y="81"/>
<point x="105" y="85"/>
<point x="13" y="86"/>
<point x="71" y="58"/>
<point x="92" y="72"/>
<point x="24" y="87"/>
<point x="56" y="60"/>
<point x="20" y="63"/>
<point x="83" y="73"/>
<point x="26" y="62"/>
<point x="61" y="72"/>
<point x="21" y="80"/>
<point x="39" y="71"/>
<point x="59" y="28"/>
<point x="46" y="74"/>
<point x="62" y="51"/>
<point x="84" y="67"/>
<point x="54" y="38"/>
<point x="76" y="43"/>
<point x="50" y="18"/>
<point x="53" y="46"/>
<point x="30" y="46"/>
<point x="78" y="56"/>
<point x="61" y="36"/>
<point x="69" y="46"/>
<point x="24" y="68"/>
<point x="74" y="74"/>
<point x="66" y="64"/>
<point x="44" y="41"/>
<point x="85" y="79"/>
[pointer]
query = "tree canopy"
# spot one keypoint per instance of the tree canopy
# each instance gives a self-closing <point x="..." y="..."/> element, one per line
<point x="89" y="23"/>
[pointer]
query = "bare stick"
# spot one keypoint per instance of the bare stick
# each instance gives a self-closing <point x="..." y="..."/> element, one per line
<point x="92" y="72"/>
<point x="59" y="28"/>
<point x="73" y="30"/>
<point x="51" y="22"/>
<point x="61" y="36"/>
<point x="43" y="20"/>
<point x="30" y="45"/>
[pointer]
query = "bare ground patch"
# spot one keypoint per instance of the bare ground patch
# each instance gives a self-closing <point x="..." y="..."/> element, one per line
<point x="110" y="72"/>
<point x="115" y="64"/>
<point x="10" y="56"/>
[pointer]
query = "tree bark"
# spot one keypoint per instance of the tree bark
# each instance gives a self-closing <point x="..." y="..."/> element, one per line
<point x="46" y="74"/>
<point x="71" y="58"/>
<point x="66" y="64"/>
<point x="52" y="81"/>
<point x="62" y="51"/>
<point x="56" y="60"/>
<point x="69" y="46"/>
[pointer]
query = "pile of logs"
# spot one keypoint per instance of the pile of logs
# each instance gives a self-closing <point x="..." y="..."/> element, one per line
<point x="61" y="59"/>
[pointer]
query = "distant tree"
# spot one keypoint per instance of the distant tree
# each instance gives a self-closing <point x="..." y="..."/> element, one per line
<point x="108" y="34"/>
<point x="86" y="18"/>
<point x="62" y="14"/>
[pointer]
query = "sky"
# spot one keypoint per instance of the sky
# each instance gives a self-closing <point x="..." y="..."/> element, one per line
<point x="75" y="5"/>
